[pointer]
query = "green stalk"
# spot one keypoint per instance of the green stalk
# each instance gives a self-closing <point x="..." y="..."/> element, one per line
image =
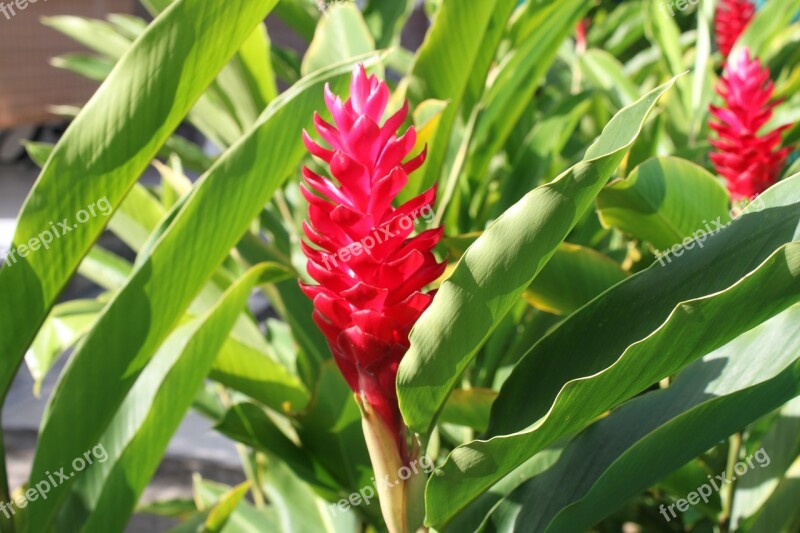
<point x="727" y="502"/>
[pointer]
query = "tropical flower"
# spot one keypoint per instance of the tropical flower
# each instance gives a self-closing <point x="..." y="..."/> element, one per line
<point x="749" y="160"/>
<point x="732" y="18"/>
<point x="370" y="270"/>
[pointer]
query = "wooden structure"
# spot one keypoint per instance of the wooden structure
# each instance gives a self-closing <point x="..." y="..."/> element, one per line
<point x="28" y="83"/>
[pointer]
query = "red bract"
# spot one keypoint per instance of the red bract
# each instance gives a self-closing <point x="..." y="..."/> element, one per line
<point x="369" y="269"/>
<point x="732" y="18"/>
<point x="749" y="161"/>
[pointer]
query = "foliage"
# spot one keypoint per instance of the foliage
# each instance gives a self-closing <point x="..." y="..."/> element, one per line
<point x="596" y="350"/>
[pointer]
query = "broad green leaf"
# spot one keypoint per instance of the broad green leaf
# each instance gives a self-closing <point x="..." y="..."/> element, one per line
<point x="105" y="495"/>
<point x="573" y="277"/>
<point x="711" y="399"/>
<point x="772" y="287"/>
<point x="499" y="266"/>
<point x="469" y="407"/>
<point x="443" y="67"/>
<point x="213" y="219"/>
<point x="664" y="201"/>
<point x="341" y="34"/>
<point x="617" y="319"/>
<point x="144" y="99"/>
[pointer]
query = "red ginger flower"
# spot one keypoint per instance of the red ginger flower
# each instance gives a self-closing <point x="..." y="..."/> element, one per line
<point x="733" y="16"/>
<point x="749" y="162"/>
<point x="369" y="269"/>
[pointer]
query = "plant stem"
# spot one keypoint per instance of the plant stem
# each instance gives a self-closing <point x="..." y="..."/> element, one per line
<point x="6" y="524"/>
<point x="727" y="503"/>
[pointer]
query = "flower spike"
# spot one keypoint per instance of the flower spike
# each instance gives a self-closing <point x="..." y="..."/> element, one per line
<point x="749" y="160"/>
<point x="369" y="268"/>
<point x="732" y="18"/>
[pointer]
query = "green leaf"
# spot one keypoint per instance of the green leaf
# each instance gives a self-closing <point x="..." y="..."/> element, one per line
<point x="130" y="26"/>
<point x="604" y="71"/>
<point x="212" y="220"/>
<point x="105" y="495"/>
<point x="701" y="325"/>
<point x="223" y="510"/>
<point x="249" y="424"/>
<point x="782" y="443"/>
<point x="709" y="400"/>
<point x="664" y="201"/>
<point x="573" y="277"/>
<point x="97" y="35"/>
<point x="469" y="407"/>
<point x="499" y="266"/>
<point x="104" y="268"/>
<point x="38" y="151"/>
<point x="341" y="34"/>
<point x="299" y="509"/>
<point x="249" y="370"/>
<point x="244" y="519"/>
<point x="145" y="99"/>
<point x="93" y="67"/>
<point x="66" y="324"/>
<point x="538" y="157"/>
